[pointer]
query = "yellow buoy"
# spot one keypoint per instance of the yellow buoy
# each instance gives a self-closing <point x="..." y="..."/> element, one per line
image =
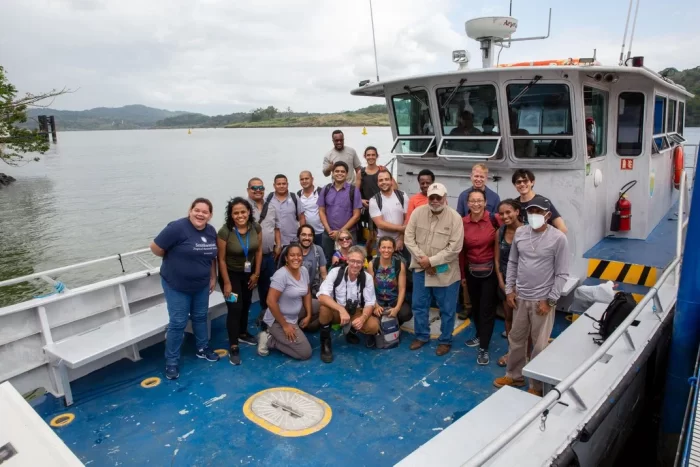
<point x="364" y="130"/>
<point x="189" y="132"/>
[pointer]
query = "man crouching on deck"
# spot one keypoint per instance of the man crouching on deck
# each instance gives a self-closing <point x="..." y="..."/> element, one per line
<point x="347" y="298"/>
<point x="538" y="267"/>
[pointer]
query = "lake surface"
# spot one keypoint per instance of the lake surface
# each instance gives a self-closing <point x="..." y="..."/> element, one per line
<point x="105" y="192"/>
<point x="99" y="193"/>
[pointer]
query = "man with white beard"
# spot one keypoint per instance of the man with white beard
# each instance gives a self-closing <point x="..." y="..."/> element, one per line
<point x="434" y="235"/>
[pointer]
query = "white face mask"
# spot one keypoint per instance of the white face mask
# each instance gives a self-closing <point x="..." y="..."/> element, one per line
<point x="536" y="221"/>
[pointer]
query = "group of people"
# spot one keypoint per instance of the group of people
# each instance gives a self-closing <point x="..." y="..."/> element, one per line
<point x="301" y="252"/>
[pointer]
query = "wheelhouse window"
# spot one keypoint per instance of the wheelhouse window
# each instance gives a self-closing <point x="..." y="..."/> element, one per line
<point x="681" y="118"/>
<point x="671" y="119"/>
<point x="413" y="123"/>
<point x="659" y="141"/>
<point x="469" y="120"/>
<point x="630" y="123"/>
<point x="596" y="108"/>
<point x="540" y="121"/>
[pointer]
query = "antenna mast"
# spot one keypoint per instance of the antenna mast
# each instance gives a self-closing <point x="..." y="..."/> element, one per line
<point x="624" y="37"/>
<point x="634" y="24"/>
<point x="374" y="40"/>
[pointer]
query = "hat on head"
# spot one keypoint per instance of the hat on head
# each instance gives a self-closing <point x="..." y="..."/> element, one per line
<point x="540" y="202"/>
<point x="437" y="189"/>
<point x="590" y="120"/>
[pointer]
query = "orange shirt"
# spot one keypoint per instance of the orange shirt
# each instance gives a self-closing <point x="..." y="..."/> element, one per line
<point x="415" y="201"/>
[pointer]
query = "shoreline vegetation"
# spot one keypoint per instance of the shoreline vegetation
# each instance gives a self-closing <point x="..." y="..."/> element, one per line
<point x="331" y="120"/>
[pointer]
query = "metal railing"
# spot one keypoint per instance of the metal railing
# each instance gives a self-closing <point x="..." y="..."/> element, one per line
<point x="555" y="394"/>
<point x="47" y="274"/>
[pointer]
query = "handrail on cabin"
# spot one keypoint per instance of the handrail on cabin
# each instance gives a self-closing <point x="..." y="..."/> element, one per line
<point x="555" y="394"/>
<point x="37" y="275"/>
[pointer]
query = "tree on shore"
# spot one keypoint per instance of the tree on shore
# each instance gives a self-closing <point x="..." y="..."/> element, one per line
<point x="16" y="142"/>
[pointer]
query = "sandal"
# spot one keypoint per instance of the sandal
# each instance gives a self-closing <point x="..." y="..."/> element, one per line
<point x="503" y="361"/>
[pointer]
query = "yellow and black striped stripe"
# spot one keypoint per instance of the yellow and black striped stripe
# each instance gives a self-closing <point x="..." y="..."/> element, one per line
<point x="627" y="273"/>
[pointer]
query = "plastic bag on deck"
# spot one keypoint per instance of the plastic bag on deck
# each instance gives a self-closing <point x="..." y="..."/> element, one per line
<point x="586" y="295"/>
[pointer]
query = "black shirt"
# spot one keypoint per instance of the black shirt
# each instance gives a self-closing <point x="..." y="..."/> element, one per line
<point x="368" y="184"/>
<point x="525" y="204"/>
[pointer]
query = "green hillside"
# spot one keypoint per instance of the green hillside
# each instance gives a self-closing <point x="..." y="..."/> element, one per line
<point x="129" y="117"/>
<point x="690" y="79"/>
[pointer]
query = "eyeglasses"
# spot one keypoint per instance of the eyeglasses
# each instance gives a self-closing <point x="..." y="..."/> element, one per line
<point x="522" y="182"/>
<point x="355" y="261"/>
<point x="345" y="239"/>
<point x="257" y="188"/>
<point x="476" y="202"/>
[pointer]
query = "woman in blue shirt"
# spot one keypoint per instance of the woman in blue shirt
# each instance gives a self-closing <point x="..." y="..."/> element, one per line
<point x="188" y="276"/>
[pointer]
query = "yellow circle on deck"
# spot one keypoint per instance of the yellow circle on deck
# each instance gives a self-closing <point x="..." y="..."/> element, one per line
<point x="287" y="412"/>
<point x="221" y="352"/>
<point x="149" y="383"/>
<point x="62" y="420"/>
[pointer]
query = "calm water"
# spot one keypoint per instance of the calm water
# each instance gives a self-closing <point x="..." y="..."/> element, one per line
<point x="106" y="192"/>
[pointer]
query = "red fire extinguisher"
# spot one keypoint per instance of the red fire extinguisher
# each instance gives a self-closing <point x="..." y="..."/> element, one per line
<point x="622" y="217"/>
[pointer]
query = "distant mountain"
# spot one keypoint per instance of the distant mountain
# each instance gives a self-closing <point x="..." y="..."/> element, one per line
<point x="690" y="79"/>
<point x="129" y="117"/>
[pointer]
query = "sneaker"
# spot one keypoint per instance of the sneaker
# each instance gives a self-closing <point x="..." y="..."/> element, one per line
<point x="171" y="372"/>
<point x="370" y="342"/>
<point x="208" y="354"/>
<point x="473" y="342"/>
<point x="508" y="381"/>
<point x="263" y="351"/>
<point x="463" y="315"/>
<point x="247" y="339"/>
<point x="234" y="357"/>
<point x="352" y="338"/>
<point x="483" y="357"/>
<point x="504" y="335"/>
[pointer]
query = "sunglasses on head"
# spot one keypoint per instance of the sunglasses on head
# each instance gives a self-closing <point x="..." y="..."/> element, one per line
<point x="257" y="188"/>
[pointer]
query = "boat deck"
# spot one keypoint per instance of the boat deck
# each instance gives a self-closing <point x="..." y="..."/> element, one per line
<point x="657" y="251"/>
<point x="385" y="404"/>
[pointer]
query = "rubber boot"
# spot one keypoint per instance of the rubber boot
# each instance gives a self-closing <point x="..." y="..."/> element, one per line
<point x="326" y="347"/>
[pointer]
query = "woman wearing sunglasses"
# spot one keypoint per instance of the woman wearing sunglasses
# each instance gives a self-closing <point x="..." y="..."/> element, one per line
<point x="342" y="248"/>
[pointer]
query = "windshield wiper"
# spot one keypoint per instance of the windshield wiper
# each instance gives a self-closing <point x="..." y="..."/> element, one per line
<point x="414" y="96"/>
<point x="454" y="91"/>
<point x="525" y="90"/>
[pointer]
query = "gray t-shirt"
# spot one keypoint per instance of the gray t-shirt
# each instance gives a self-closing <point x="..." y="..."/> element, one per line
<point x="347" y="155"/>
<point x="292" y="293"/>
<point x="287" y="214"/>
<point x="538" y="264"/>
<point x="269" y="224"/>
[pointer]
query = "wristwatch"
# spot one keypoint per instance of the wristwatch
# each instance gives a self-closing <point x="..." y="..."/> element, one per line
<point x="551" y="302"/>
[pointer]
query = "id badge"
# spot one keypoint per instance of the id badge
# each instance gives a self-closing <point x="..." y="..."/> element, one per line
<point x="247" y="267"/>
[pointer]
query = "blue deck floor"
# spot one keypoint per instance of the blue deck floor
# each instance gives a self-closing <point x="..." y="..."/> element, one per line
<point x="658" y="250"/>
<point x="385" y="403"/>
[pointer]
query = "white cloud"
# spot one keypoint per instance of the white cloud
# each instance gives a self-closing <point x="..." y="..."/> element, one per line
<point x="219" y="56"/>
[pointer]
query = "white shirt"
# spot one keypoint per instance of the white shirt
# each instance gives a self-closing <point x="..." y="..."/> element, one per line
<point x="313" y="218"/>
<point x="348" y="290"/>
<point x="392" y="212"/>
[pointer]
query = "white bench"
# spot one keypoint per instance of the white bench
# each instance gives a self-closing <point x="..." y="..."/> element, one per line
<point x="474" y="430"/>
<point x="575" y="344"/>
<point x="81" y="349"/>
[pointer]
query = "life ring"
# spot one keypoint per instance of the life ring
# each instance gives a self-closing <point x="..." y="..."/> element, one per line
<point x="678" y="166"/>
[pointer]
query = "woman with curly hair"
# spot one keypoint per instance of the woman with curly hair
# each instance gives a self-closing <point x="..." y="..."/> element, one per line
<point x="239" y="242"/>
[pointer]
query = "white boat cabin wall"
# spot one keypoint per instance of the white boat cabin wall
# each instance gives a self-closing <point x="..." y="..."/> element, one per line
<point x="549" y="108"/>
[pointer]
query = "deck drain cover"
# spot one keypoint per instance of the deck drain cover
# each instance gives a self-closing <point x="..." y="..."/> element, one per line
<point x="287" y="411"/>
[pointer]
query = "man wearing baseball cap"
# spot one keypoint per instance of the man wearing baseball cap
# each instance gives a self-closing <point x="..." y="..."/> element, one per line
<point x="434" y="235"/>
<point x="538" y="267"/>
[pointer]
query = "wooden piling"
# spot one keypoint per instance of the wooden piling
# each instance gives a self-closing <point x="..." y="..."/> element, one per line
<point x="52" y="123"/>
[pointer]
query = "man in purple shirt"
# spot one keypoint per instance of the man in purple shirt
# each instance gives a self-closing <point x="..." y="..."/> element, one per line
<point x="339" y="206"/>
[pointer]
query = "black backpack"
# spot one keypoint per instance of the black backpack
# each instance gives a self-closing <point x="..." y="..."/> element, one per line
<point x="343" y="274"/>
<point x="399" y="194"/>
<point x="266" y="204"/>
<point x="396" y="261"/>
<point x="317" y="190"/>
<point x="617" y="311"/>
<point x="352" y="193"/>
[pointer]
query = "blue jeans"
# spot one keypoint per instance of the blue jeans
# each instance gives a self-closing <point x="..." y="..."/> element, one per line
<point x="267" y="270"/>
<point x="445" y="298"/>
<point x="181" y="307"/>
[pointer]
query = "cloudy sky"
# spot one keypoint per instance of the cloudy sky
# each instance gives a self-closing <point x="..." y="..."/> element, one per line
<point x="221" y="56"/>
